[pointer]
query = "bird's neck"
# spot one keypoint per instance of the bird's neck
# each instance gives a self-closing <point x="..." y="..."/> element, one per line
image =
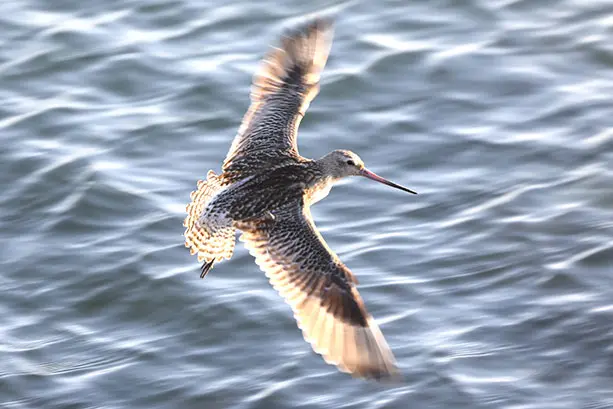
<point x="327" y="167"/>
<point x="320" y="183"/>
<point x="319" y="189"/>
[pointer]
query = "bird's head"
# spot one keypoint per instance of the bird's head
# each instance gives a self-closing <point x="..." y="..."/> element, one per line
<point x="341" y="163"/>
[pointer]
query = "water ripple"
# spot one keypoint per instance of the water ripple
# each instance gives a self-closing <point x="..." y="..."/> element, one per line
<point x="492" y="285"/>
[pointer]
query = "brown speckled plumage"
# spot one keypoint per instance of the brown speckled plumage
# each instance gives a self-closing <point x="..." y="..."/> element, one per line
<point x="266" y="189"/>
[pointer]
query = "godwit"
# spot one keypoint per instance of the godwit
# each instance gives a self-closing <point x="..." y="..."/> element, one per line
<point x="266" y="189"/>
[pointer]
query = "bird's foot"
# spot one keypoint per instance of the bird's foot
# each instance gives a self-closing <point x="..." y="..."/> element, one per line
<point x="206" y="267"/>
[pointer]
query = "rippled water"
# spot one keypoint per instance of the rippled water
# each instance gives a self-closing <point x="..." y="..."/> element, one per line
<point x="493" y="286"/>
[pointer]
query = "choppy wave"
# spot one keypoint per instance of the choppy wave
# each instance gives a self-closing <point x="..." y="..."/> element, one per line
<point x="492" y="285"/>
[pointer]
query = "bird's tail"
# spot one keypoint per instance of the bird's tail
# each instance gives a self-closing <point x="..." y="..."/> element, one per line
<point x="297" y="63"/>
<point x="212" y="238"/>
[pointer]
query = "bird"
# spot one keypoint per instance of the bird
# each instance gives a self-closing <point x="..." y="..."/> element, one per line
<point x="265" y="190"/>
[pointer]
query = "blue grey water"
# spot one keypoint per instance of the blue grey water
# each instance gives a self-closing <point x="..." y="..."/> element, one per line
<point x="493" y="286"/>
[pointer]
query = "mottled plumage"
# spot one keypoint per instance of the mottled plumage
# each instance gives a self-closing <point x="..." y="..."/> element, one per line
<point x="266" y="189"/>
<point x="281" y="92"/>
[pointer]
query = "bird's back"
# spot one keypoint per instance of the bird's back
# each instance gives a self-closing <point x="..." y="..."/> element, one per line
<point x="268" y="190"/>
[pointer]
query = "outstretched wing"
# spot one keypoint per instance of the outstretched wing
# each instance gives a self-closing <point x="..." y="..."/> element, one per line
<point x="321" y="291"/>
<point x="281" y="92"/>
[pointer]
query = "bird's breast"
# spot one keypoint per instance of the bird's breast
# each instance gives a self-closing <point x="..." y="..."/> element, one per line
<point x="318" y="192"/>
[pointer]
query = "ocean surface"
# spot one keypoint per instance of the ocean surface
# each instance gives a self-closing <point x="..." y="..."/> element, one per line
<point x="493" y="286"/>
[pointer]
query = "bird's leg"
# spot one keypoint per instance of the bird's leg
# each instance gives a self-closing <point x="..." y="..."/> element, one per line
<point x="206" y="267"/>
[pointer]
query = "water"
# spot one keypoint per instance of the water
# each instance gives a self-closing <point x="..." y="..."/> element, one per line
<point x="492" y="286"/>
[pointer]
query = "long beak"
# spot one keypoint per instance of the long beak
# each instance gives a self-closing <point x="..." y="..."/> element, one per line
<point x="371" y="175"/>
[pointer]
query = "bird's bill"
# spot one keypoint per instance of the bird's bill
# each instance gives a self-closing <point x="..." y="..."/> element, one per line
<point x="371" y="175"/>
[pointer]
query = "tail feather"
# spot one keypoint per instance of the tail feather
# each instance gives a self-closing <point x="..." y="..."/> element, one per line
<point x="211" y="239"/>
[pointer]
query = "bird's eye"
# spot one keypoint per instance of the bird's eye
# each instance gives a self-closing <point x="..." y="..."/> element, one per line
<point x="350" y="162"/>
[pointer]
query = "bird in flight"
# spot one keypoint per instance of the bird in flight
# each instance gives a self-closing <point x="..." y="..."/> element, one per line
<point x="266" y="189"/>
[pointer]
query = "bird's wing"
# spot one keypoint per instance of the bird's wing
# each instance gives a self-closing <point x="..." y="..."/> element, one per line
<point x="281" y="92"/>
<point x="321" y="291"/>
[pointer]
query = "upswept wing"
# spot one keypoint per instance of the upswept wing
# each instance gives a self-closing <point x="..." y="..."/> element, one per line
<point x="281" y="92"/>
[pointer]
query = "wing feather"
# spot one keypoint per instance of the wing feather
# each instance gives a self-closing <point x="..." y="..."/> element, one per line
<point x="281" y="92"/>
<point x="321" y="291"/>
